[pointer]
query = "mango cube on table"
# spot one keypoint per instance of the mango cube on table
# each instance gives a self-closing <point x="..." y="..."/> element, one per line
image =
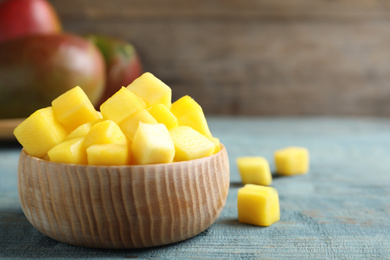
<point x="152" y="90"/>
<point x="121" y="105"/>
<point x="40" y="132"/>
<point x="69" y="151"/>
<point x="258" y="205"/>
<point x="130" y="125"/>
<point x="152" y="144"/>
<point x="105" y="132"/>
<point x="189" y="113"/>
<point x="254" y="170"/>
<point x="292" y="160"/>
<point x="163" y="115"/>
<point x="73" y="108"/>
<point x="108" y="154"/>
<point x="190" y="144"/>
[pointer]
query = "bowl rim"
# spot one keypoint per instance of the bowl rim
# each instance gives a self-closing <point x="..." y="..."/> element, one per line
<point x="128" y="166"/>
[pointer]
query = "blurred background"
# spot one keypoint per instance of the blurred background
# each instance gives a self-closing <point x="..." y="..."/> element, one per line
<point x="255" y="57"/>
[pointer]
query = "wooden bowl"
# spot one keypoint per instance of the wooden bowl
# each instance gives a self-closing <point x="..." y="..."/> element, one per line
<point x="123" y="206"/>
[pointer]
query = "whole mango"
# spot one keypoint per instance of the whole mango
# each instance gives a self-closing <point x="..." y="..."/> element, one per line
<point x="36" y="69"/>
<point x="24" y="17"/>
<point x="123" y="64"/>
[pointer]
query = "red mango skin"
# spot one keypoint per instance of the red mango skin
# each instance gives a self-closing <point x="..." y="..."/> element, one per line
<point x="36" y="69"/>
<point x="25" y="17"/>
<point x="123" y="64"/>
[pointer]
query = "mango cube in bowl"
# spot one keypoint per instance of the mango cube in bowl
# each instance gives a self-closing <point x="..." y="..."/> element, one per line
<point x="258" y="205"/>
<point x="254" y="170"/>
<point x="69" y="151"/>
<point x="152" y="144"/>
<point x="163" y="115"/>
<point x="292" y="160"/>
<point x="189" y="113"/>
<point x="121" y="105"/>
<point x="217" y="144"/>
<point x="73" y="108"/>
<point x="82" y="130"/>
<point x="105" y="132"/>
<point x="108" y="154"/>
<point x="130" y="125"/>
<point x="152" y="90"/>
<point x="190" y="144"/>
<point x="40" y="132"/>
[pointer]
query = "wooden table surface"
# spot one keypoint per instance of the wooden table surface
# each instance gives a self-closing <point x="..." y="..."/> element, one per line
<point x="340" y="210"/>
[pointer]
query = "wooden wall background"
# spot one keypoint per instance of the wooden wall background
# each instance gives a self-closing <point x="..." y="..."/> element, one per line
<point x="255" y="57"/>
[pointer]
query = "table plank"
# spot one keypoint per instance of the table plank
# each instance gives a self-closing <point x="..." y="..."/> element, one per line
<point x="339" y="210"/>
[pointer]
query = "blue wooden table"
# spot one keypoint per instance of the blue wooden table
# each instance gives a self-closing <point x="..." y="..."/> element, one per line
<point x="340" y="210"/>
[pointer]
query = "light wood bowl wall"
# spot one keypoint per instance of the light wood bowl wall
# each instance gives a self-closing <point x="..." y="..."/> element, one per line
<point x="123" y="206"/>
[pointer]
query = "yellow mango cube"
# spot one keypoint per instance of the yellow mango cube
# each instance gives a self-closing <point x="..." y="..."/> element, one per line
<point x="73" y="108"/>
<point x="152" y="90"/>
<point x="108" y="154"/>
<point x="100" y="115"/>
<point x="292" y="160"/>
<point x="121" y="105"/>
<point x="105" y="132"/>
<point x="254" y="170"/>
<point x="217" y="143"/>
<point x="190" y="144"/>
<point x="152" y="144"/>
<point x="40" y="132"/>
<point x="130" y="125"/>
<point x="189" y="113"/>
<point x="69" y="151"/>
<point x="258" y="205"/>
<point x="163" y="115"/>
<point x="82" y="130"/>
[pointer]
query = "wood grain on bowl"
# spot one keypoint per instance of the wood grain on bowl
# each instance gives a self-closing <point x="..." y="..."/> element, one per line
<point x="123" y="206"/>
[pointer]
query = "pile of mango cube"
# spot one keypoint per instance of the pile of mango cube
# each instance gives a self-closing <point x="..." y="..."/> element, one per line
<point x="257" y="203"/>
<point x="138" y="125"/>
